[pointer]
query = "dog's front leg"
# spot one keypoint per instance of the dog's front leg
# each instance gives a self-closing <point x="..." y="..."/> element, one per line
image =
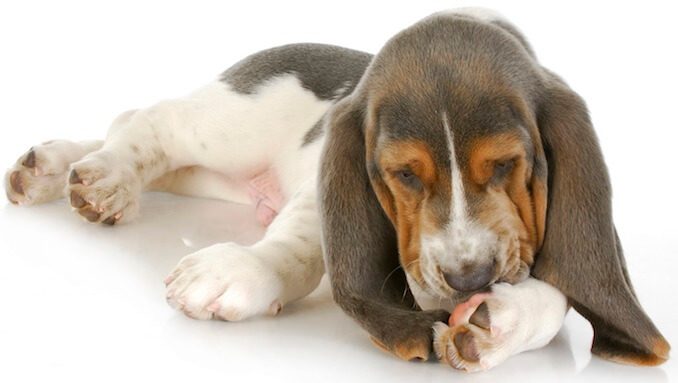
<point x="233" y="282"/>
<point x="490" y="327"/>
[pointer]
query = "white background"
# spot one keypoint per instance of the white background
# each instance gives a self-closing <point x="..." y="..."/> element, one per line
<point x="80" y="302"/>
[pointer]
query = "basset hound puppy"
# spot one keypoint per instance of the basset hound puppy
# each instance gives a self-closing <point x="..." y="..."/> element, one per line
<point x="455" y="187"/>
<point x="459" y="167"/>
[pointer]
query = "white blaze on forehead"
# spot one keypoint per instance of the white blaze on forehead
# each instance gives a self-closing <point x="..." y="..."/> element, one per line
<point x="462" y="241"/>
<point x="464" y="238"/>
<point x="458" y="212"/>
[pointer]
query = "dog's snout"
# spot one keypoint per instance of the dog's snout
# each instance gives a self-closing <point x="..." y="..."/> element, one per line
<point x="470" y="277"/>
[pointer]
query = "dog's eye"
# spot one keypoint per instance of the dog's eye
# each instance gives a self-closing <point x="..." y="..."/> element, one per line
<point x="501" y="170"/>
<point x="408" y="178"/>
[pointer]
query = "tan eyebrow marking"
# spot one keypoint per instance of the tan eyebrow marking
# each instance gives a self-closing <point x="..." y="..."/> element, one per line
<point x="415" y="154"/>
<point x="486" y="150"/>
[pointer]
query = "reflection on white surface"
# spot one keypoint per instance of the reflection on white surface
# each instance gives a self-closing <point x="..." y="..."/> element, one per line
<point x="86" y="302"/>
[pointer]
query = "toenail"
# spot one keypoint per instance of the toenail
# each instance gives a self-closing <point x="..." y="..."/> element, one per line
<point x="110" y="221"/>
<point x="90" y="215"/>
<point x="11" y="200"/>
<point x="74" y="178"/>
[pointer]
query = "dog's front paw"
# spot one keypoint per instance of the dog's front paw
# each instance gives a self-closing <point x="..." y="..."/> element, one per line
<point x="482" y="333"/>
<point x="224" y="281"/>
<point x="39" y="175"/>
<point x="102" y="189"/>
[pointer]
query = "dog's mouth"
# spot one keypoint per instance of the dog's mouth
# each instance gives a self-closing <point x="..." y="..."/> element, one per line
<point x="505" y="268"/>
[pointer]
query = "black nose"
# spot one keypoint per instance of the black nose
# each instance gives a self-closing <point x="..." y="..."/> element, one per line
<point x="470" y="277"/>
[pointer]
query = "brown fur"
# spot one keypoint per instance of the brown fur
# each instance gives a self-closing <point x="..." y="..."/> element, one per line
<point x="409" y="352"/>
<point x="507" y="206"/>
<point x="402" y="204"/>
<point x="361" y="251"/>
<point x="501" y="104"/>
<point x="581" y="254"/>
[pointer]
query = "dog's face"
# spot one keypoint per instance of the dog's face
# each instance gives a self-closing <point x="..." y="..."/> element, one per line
<point x="459" y="197"/>
<point x="452" y="162"/>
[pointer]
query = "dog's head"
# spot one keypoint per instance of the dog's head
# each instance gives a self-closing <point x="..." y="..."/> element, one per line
<point x="482" y="166"/>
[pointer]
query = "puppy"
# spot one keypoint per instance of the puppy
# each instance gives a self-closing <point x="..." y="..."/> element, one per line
<point x="458" y="165"/>
<point x="446" y="167"/>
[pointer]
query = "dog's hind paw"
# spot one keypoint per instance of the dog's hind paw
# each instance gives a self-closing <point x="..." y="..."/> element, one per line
<point x="103" y="190"/>
<point x="39" y="175"/>
<point x="482" y="333"/>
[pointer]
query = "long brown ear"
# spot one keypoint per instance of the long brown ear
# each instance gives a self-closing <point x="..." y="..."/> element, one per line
<point x="581" y="254"/>
<point x="359" y="243"/>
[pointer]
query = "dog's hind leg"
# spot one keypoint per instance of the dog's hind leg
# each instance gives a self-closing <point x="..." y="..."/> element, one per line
<point x="201" y="182"/>
<point x="105" y="185"/>
<point x="215" y="128"/>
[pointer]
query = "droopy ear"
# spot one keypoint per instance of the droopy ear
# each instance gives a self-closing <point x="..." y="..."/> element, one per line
<point x="581" y="254"/>
<point x="359" y="243"/>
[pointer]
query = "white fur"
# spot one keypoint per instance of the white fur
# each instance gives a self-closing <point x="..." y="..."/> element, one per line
<point x="211" y="143"/>
<point x="243" y="135"/>
<point x="247" y="135"/>
<point x="234" y="282"/>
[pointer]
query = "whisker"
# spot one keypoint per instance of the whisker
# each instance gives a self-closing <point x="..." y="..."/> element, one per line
<point x="407" y="287"/>
<point x="388" y="276"/>
<point x="393" y="271"/>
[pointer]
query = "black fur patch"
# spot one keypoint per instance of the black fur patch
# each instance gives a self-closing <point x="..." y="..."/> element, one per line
<point x="328" y="71"/>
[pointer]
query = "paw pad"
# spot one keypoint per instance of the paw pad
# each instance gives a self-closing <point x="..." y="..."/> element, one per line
<point x="466" y="346"/>
<point x="16" y="182"/>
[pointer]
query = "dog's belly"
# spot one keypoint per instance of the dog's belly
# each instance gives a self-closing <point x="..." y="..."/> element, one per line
<point x="250" y="148"/>
<point x="266" y="194"/>
<point x="262" y="190"/>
